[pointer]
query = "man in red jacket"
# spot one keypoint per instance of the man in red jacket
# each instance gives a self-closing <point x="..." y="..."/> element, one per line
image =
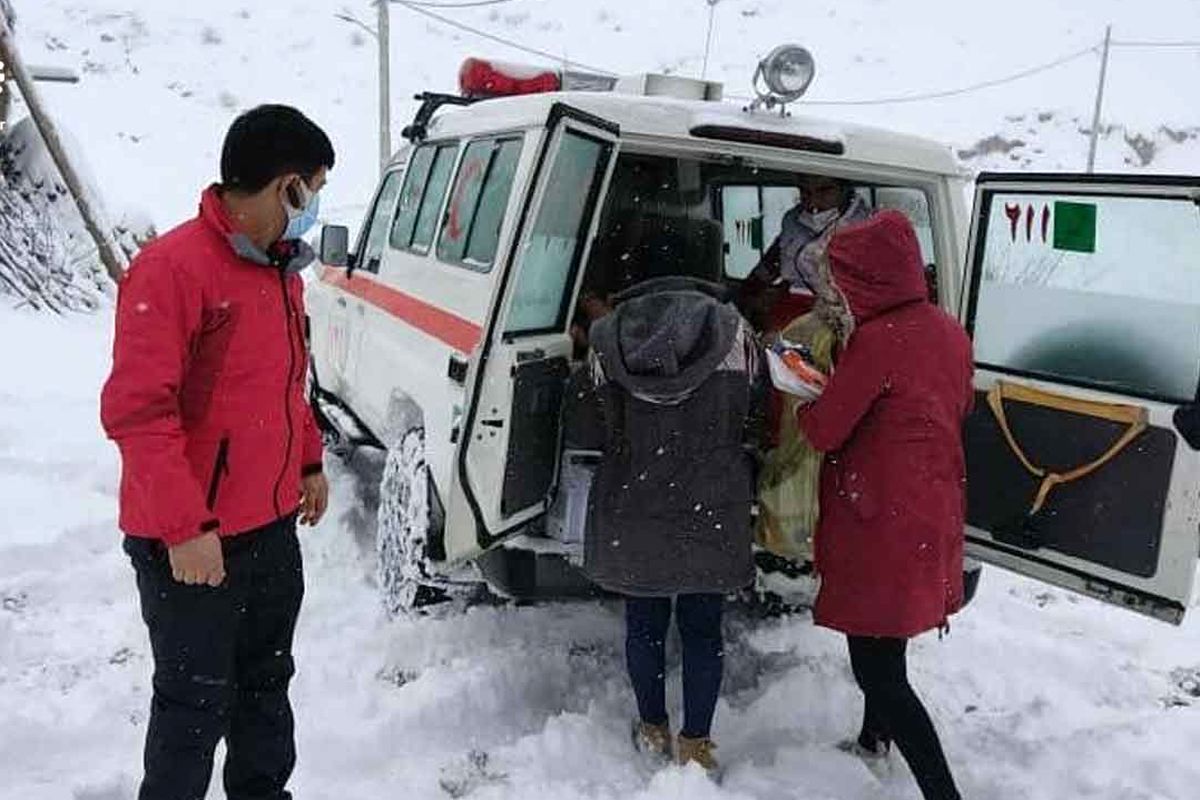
<point x="220" y="455"/>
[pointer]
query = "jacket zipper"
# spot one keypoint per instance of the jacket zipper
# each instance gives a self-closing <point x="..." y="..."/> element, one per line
<point x="220" y="469"/>
<point x="287" y="391"/>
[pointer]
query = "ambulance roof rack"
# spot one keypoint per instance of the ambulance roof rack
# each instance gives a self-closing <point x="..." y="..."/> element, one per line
<point x="485" y="79"/>
<point x="418" y="129"/>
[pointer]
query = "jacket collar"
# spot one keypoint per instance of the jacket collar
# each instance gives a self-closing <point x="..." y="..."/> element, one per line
<point x="290" y="255"/>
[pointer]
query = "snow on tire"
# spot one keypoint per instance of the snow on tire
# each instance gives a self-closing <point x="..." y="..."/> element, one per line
<point x="403" y="518"/>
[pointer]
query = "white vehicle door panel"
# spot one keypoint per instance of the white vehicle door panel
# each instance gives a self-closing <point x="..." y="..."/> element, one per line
<point x="427" y="316"/>
<point x="348" y="306"/>
<point x="1084" y="308"/>
<point x="507" y="461"/>
<point x="328" y="328"/>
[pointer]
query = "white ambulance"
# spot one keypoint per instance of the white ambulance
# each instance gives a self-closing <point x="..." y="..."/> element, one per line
<point x="444" y="334"/>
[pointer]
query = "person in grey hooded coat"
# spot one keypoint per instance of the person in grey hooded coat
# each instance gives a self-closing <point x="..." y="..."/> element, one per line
<point x="675" y="369"/>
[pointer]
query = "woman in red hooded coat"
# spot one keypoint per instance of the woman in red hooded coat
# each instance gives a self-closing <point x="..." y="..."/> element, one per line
<point x="889" y="542"/>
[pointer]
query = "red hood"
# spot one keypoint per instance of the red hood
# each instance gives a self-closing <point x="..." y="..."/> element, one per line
<point x="877" y="265"/>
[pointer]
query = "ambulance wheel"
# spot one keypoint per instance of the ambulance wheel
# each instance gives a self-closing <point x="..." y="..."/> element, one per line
<point x="402" y="532"/>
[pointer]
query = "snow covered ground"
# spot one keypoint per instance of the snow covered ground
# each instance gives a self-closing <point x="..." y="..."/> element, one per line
<point x="1038" y="694"/>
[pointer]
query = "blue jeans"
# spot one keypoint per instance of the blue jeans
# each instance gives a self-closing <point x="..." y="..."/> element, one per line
<point x="698" y="617"/>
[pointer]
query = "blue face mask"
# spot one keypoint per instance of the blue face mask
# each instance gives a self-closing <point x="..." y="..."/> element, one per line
<point x="301" y="220"/>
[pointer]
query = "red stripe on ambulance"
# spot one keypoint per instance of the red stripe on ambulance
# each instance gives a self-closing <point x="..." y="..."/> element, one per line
<point x="459" y="333"/>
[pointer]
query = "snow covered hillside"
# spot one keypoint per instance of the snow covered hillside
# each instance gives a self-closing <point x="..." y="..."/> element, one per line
<point x="1039" y="694"/>
<point x="163" y="78"/>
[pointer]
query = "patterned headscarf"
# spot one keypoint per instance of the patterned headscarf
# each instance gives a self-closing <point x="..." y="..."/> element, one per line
<point x="831" y="305"/>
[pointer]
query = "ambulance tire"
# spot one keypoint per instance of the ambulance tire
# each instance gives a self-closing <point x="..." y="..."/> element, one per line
<point x="402" y="531"/>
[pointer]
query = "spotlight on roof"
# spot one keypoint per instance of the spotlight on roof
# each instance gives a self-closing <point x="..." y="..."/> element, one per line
<point x="783" y="77"/>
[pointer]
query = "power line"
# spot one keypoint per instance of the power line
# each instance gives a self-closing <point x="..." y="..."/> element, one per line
<point x="914" y="98"/>
<point x="353" y="20"/>
<point x="419" y="9"/>
<point x="1154" y="45"/>
<point x="465" y="4"/>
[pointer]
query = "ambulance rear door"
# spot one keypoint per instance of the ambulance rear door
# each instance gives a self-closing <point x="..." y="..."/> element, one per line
<point x="1083" y="301"/>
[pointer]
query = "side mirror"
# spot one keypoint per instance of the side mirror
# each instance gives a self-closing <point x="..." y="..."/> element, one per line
<point x="335" y="245"/>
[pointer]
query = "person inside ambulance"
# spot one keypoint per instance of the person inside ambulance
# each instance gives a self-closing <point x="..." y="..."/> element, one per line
<point x="594" y="303"/>
<point x="778" y="290"/>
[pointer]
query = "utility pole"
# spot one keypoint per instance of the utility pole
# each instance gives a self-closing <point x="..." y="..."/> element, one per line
<point x="110" y="254"/>
<point x="384" y="35"/>
<point x="1091" y="163"/>
<point x="6" y="24"/>
<point x="712" y="8"/>
<point x="5" y="94"/>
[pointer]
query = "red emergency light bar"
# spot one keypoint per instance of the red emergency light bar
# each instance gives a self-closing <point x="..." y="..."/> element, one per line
<point x="479" y="79"/>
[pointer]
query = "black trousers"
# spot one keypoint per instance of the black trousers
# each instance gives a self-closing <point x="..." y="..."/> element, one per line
<point x="222" y="664"/>
<point x="894" y="713"/>
<point x="698" y="617"/>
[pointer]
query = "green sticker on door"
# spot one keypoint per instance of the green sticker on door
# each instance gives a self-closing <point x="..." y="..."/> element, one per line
<point x="1074" y="227"/>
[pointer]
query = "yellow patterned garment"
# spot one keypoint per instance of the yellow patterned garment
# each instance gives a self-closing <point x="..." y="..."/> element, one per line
<point x="789" y="485"/>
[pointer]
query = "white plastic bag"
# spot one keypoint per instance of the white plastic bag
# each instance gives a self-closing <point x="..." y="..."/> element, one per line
<point x="787" y="381"/>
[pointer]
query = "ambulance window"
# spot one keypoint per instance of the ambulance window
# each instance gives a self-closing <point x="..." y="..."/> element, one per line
<point x="381" y="219"/>
<point x="421" y="197"/>
<point x="551" y="256"/>
<point x="914" y="204"/>
<point x="471" y="228"/>
<point x="1095" y="290"/>
<point x="410" y="196"/>
<point x="435" y="192"/>
<point x="751" y="218"/>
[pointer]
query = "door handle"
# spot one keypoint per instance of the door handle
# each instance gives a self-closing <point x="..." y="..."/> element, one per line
<point x="492" y="423"/>
<point x="525" y="356"/>
<point x="457" y="371"/>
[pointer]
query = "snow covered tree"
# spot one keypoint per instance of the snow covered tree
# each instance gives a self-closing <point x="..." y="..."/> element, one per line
<point x="46" y="260"/>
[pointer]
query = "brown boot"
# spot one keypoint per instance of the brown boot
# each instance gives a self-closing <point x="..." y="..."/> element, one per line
<point x="652" y="740"/>
<point x="698" y="751"/>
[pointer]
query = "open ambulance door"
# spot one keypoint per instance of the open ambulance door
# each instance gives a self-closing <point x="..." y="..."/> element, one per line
<point x="1084" y="306"/>
<point x="507" y="461"/>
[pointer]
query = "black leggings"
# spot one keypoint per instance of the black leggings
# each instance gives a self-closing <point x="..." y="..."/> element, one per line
<point x="894" y="713"/>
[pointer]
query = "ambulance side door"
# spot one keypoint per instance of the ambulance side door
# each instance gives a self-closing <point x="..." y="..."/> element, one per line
<point x="508" y="458"/>
<point x="338" y="339"/>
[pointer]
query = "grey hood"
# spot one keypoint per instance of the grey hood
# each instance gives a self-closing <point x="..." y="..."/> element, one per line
<point x="666" y="337"/>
